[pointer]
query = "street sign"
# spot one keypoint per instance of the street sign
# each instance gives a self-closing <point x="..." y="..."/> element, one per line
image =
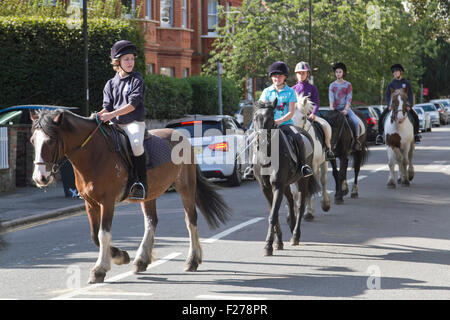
<point x="425" y="91"/>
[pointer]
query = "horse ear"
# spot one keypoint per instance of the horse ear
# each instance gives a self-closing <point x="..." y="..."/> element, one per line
<point x="58" y="118"/>
<point x="275" y="102"/>
<point x="33" y="115"/>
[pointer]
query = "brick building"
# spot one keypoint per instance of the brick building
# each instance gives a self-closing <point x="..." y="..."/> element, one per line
<point x="178" y="33"/>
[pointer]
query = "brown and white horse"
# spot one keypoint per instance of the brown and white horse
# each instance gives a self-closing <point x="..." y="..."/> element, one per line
<point x="101" y="179"/>
<point x="399" y="137"/>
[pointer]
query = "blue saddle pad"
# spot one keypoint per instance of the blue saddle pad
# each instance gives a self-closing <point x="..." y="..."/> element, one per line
<point x="158" y="151"/>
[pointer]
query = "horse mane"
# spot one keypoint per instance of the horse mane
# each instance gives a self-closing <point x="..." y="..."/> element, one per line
<point x="46" y="121"/>
<point x="334" y="117"/>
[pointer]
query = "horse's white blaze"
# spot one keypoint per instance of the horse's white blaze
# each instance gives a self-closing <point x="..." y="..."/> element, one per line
<point x="40" y="170"/>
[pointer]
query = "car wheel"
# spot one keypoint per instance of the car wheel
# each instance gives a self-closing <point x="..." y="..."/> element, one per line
<point x="236" y="177"/>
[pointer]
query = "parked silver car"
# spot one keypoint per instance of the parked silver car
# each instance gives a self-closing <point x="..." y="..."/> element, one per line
<point x="424" y="119"/>
<point x="443" y="113"/>
<point x="432" y="111"/>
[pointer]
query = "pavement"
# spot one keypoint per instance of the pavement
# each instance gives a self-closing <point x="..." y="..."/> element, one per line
<point x="29" y="205"/>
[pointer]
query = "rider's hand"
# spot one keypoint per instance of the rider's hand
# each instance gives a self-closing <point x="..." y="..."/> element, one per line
<point x="312" y="117"/>
<point x="344" y="112"/>
<point x="277" y="122"/>
<point x="105" y="117"/>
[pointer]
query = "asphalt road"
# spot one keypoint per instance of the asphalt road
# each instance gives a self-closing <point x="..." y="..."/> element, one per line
<point x="387" y="244"/>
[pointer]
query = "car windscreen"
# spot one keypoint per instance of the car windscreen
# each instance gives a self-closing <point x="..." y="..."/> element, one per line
<point x="198" y="128"/>
<point x="365" y="111"/>
<point x="418" y="110"/>
<point x="429" y="108"/>
<point x="11" y="117"/>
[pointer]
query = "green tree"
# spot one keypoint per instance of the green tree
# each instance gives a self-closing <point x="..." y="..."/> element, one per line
<point x="367" y="36"/>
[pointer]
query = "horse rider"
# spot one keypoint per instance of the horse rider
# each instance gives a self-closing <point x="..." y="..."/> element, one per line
<point x="286" y="97"/>
<point x="397" y="83"/>
<point x="340" y="95"/>
<point x="123" y="104"/>
<point x="305" y="88"/>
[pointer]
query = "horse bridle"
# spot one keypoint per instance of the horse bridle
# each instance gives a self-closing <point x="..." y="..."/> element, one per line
<point x="57" y="161"/>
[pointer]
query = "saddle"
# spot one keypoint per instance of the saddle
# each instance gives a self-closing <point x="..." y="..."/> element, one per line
<point x="157" y="150"/>
<point x="320" y="133"/>
<point x="297" y="140"/>
<point x="362" y="128"/>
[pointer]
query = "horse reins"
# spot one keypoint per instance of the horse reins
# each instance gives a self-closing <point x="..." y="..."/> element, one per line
<point x="56" y="165"/>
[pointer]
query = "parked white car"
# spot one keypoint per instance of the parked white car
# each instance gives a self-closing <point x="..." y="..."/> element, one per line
<point x="430" y="109"/>
<point x="219" y="145"/>
<point x="424" y="119"/>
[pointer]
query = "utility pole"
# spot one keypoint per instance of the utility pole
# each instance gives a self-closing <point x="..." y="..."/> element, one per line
<point x="219" y="85"/>
<point x="86" y="61"/>
<point x="310" y="34"/>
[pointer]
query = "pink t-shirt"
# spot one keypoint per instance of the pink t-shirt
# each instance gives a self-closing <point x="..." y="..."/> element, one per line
<point x="340" y="94"/>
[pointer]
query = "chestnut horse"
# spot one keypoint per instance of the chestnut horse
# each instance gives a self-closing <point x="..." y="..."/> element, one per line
<point x="101" y="179"/>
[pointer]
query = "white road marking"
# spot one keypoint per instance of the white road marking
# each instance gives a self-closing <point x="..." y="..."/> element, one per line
<point x="87" y="290"/>
<point x="231" y="230"/>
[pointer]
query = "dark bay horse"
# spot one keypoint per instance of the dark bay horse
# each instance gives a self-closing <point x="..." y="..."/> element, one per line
<point x="101" y="179"/>
<point x="275" y="172"/>
<point x="341" y="143"/>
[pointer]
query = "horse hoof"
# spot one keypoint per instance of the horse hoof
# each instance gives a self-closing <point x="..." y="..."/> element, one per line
<point x="268" y="252"/>
<point x="308" y="217"/>
<point x="405" y="184"/>
<point x="338" y="201"/>
<point x="279" y="246"/>
<point x="354" y="195"/>
<point x="140" y="266"/>
<point x="97" y="276"/>
<point x="391" y="185"/>
<point x="325" y="206"/>
<point x="295" y="242"/>
<point x="122" y="258"/>
<point x="191" y="267"/>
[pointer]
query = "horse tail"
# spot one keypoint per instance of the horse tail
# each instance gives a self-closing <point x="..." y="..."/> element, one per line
<point x="313" y="186"/>
<point x="211" y="204"/>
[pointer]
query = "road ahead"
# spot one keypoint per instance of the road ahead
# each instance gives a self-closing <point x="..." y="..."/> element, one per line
<point x="388" y="244"/>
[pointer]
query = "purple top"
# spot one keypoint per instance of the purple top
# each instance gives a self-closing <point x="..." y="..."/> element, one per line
<point x="308" y="89"/>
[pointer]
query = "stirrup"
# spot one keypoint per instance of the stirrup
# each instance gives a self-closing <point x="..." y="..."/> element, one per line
<point x="379" y="140"/>
<point x="137" y="191"/>
<point x="248" y="173"/>
<point x="306" y="171"/>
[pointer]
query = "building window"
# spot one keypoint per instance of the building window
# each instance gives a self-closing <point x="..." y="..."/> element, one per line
<point x="78" y="3"/>
<point x="149" y="9"/>
<point x="166" y="13"/>
<point x="184" y="11"/>
<point x="131" y="8"/>
<point x="150" y="68"/>
<point x="213" y="19"/>
<point x="185" y="72"/>
<point x="50" y="2"/>
<point x="167" y="71"/>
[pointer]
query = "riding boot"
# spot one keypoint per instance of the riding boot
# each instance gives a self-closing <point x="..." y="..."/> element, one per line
<point x="139" y="189"/>
<point x="417" y="138"/>
<point x="329" y="155"/>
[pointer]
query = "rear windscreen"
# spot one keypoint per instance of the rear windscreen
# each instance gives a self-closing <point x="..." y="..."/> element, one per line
<point x="195" y="129"/>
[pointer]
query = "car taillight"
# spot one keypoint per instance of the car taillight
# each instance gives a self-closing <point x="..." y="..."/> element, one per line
<point x="186" y="123"/>
<point x="222" y="146"/>
<point x="441" y="111"/>
<point x="371" y="120"/>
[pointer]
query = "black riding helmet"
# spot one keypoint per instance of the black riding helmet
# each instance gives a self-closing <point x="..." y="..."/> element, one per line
<point x="397" y="66"/>
<point x="122" y="47"/>
<point x="278" y="67"/>
<point x="340" y="65"/>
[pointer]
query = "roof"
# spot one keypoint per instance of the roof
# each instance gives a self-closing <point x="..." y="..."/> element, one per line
<point x="35" y="107"/>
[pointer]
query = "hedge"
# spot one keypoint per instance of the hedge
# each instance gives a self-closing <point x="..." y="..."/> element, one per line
<point x="44" y="59"/>
<point x="44" y="65"/>
<point x="205" y="98"/>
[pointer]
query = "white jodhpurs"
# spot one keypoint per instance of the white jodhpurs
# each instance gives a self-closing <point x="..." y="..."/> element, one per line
<point x="135" y="132"/>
